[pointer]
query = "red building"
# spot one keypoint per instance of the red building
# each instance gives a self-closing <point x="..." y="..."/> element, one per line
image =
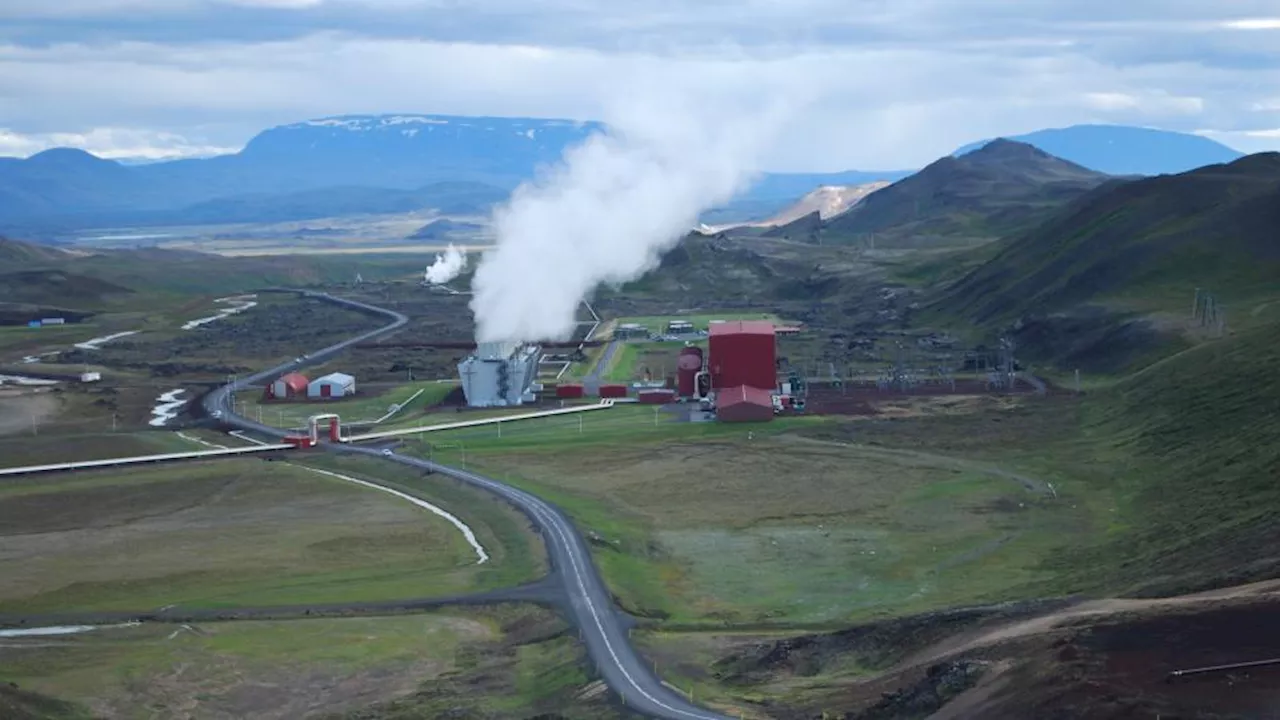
<point x="656" y="397"/>
<point x="570" y="391"/>
<point x="286" y="386"/>
<point x="744" y="404"/>
<point x="613" y="391"/>
<point x="743" y="352"/>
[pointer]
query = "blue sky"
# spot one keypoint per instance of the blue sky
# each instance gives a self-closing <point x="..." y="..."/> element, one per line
<point x="891" y="83"/>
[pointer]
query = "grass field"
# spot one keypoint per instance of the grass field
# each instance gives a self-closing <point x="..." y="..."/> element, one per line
<point x="229" y="533"/>
<point x="715" y="523"/>
<point x="364" y="406"/>
<point x="658" y="323"/>
<point x="23" y="448"/>
<point x="267" y="669"/>
<point x="501" y="662"/>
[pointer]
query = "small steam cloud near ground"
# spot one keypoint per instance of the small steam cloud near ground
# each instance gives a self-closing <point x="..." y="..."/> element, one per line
<point x="616" y="203"/>
<point x="448" y="265"/>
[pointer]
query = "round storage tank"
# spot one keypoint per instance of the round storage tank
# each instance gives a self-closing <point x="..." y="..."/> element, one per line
<point x="688" y="366"/>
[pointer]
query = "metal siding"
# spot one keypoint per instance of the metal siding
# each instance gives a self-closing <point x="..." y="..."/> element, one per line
<point x="743" y="359"/>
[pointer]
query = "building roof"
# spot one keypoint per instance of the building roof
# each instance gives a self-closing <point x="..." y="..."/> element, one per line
<point x="336" y="377"/>
<point x="293" y="379"/>
<point x="729" y="397"/>
<point x="741" y="327"/>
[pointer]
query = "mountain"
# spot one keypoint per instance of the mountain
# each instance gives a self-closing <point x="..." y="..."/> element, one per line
<point x="339" y="165"/>
<point x="16" y="252"/>
<point x="1080" y="288"/>
<point x="385" y="153"/>
<point x="998" y="189"/>
<point x="444" y="229"/>
<point x="1123" y="150"/>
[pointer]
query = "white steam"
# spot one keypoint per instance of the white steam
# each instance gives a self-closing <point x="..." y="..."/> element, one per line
<point x="448" y="265"/>
<point x="614" y="205"/>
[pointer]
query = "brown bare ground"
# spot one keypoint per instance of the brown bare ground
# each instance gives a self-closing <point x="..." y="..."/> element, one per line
<point x="20" y="407"/>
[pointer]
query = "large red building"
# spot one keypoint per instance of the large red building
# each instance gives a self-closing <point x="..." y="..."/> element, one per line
<point x="743" y="352"/>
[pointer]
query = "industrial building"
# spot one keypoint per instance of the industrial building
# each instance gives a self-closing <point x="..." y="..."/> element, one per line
<point x="500" y="374"/>
<point x="288" y="386"/>
<point x="628" y="331"/>
<point x="744" y="404"/>
<point x="333" y="385"/>
<point x="743" y="352"/>
<point x="680" y="327"/>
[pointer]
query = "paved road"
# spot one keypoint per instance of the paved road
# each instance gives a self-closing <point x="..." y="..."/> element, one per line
<point x="588" y="600"/>
<point x="592" y="380"/>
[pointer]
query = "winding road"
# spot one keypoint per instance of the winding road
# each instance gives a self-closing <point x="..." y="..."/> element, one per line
<point x="591" y="608"/>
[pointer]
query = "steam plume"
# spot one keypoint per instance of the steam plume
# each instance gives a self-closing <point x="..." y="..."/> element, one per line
<point x="614" y="205"/>
<point x="447" y="266"/>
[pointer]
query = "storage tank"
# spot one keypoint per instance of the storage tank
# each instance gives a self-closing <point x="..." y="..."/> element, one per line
<point x="687" y="367"/>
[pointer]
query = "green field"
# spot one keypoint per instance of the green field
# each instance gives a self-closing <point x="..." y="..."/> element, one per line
<point x="23" y="448"/>
<point x="277" y="669"/>
<point x="235" y="533"/>
<point x="712" y="523"/>
<point x="501" y="662"/>
<point x="658" y="323"/>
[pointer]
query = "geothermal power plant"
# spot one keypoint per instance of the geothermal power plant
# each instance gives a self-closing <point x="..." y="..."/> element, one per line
<point x="500" y="374"/>
<point x="737" y="375"/>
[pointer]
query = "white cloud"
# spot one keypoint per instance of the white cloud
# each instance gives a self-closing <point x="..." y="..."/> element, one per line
<point x="110" y="143"/>
<point x="1253" y="24"/>
<point x="903" y="81"/>
<point x="1154" y="103"/>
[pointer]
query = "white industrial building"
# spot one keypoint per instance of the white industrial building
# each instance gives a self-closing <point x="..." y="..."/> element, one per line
<point x="333" y="385"/>
<point x="500" y="374"/>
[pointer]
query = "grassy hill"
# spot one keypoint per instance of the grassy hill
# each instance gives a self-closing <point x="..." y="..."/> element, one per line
<point x="1191" y="441"/>
<point x="1107" y="284"/>
<point x="1002" y="188"/>
<point x="16" y="252"/>
<point x="1213" y="227"/>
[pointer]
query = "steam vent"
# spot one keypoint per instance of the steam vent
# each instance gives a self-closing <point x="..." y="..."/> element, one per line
<point x="499" y="374"/>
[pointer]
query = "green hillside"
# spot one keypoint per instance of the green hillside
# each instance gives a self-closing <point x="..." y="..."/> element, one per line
<point x="1107" y="284"/>
<point x="1192" y="458"/>
<point x="1144" y="241"/>
<point x="14" y="252"/>
<point x="1002" y="188"/>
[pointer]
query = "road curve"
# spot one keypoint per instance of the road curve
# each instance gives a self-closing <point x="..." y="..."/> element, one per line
<point x="590" y="605"/>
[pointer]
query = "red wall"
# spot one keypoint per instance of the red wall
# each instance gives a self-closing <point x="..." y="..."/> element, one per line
<point x="613" y="391"/>
<point x="569" y="391"/>
<point x="743" y="359"/>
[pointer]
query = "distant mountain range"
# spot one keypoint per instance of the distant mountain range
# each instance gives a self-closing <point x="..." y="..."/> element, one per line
<point x="1122" y="150"/>
<point x="393" y="163"/>
<point x="998" y="189"/>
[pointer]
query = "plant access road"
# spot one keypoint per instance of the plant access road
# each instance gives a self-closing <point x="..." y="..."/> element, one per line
<point x="585" y="595"/>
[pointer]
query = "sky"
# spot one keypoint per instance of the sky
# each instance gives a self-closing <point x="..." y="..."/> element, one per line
<point x="888" y="83"/>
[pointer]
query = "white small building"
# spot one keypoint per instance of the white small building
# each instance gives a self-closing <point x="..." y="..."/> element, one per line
<point x="333" y="385"/>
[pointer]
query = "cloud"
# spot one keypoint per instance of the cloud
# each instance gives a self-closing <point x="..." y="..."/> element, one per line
<point x="1253" y="24"/>
<point x="904" y="80"/>
<point x="114" y="143"/>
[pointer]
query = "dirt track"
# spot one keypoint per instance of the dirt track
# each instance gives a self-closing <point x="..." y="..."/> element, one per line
<point x="1103" y="658"/>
